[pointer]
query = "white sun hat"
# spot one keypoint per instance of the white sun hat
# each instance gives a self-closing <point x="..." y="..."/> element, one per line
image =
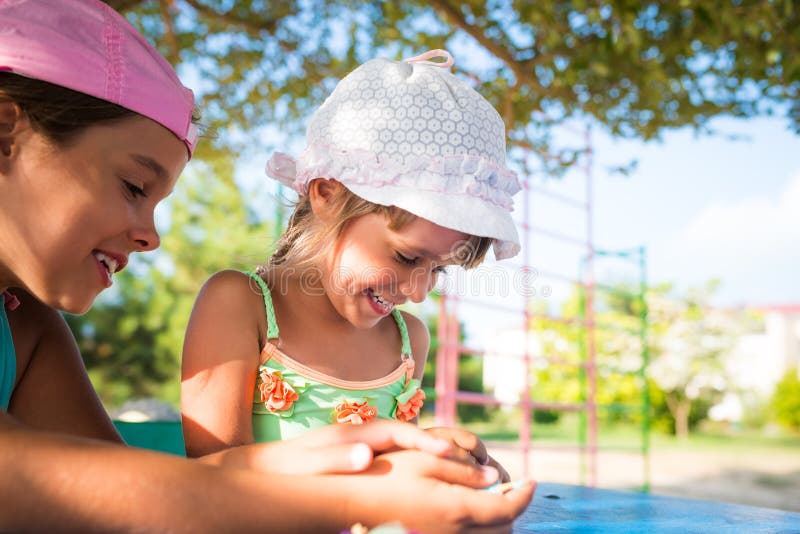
<point x="412" y="135"/>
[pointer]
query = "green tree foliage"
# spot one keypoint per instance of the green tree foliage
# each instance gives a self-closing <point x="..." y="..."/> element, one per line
<point x="786" y="400"/>
<point x="561" y="374"/>
<point x="131" y="340"/>
<point x="634" y="67"/>
<point x="690" y="344"/>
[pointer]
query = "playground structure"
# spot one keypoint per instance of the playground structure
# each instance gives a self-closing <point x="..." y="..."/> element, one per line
<point x="450" y="348"/>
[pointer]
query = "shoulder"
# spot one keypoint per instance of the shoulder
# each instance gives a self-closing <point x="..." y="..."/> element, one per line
<point x="34" y="324"/>
<point x="229" y="289"/>
<point x="33" y="320"/>
<point x="419" y="336"/>
<point x="229" y="284"/>
<point x="228" y="301"/>
<point x="32" y="312"/>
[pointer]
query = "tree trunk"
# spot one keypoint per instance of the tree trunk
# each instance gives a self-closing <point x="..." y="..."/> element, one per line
<point x="681" y="416"/>
<point x="680" y="408"/>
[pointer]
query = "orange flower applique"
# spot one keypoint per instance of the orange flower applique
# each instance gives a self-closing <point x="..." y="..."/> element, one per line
<point x="354" y="412"/>
<point x="276" y="394"/>
<point x="408" y="410"/>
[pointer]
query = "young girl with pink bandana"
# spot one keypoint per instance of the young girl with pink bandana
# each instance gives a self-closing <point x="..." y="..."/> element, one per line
<point x="95" y="128"/>
<point x="403" y="175"/>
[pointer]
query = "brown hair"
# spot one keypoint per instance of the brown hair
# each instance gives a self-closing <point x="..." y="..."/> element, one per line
<point x="58" y="113"/>
<point x="305" y="240"/>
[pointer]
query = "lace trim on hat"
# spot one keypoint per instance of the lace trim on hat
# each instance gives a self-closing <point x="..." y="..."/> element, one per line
<point x="463" y="174"/>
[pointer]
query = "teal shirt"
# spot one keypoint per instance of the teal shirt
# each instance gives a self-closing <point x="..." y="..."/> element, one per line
<point x="8" y="358"/>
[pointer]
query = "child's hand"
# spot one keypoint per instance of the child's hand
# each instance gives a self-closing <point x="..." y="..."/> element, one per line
<point x="332" y="449"/>
<point x="438" y="494"/>
<point x="467" y="447"/>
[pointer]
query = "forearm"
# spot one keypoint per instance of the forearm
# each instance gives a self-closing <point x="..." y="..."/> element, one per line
<point x="57" y="483"/>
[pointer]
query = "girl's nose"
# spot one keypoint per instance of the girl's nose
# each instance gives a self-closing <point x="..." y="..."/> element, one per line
<point x="418" y="285"/>
<point x="145" y="235"/>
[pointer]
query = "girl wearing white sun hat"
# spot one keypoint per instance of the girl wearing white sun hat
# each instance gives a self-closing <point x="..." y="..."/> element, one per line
<point x="403" y="174"/>
<point x="412" y="135"/>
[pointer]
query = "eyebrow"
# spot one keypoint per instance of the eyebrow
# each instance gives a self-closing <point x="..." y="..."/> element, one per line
<point x="423" y="252"/>
<point x="151" y="165"/>
<point x="417" y="250"/>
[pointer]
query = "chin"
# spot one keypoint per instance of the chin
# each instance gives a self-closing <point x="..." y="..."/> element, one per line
<point x="76" y="306"/>
<point x="366" y="324"/>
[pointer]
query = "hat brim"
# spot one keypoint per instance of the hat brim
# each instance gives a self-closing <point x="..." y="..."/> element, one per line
<point x="467" y="214"/>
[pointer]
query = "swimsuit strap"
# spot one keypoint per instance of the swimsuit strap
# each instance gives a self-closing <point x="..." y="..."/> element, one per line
<point x="11" y="301"/>
<point x="401" y="324"/>
<point x="272" y="323"/>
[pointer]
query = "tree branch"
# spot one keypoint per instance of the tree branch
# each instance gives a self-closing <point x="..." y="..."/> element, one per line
<point x="522" y="69"/>
<point x="123" y="5"/>
<point x="253" y="25"/>
<point x="457" y="18"/>
<point x="166" y="17"/>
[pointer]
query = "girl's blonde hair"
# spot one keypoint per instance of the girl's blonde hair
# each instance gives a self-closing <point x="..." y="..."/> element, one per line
<point x="305" y="239"/>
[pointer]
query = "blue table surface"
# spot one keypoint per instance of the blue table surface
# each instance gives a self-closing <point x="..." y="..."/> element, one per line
<point x="565" y="508"/>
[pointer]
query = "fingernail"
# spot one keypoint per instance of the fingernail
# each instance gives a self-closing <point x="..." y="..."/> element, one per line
<point x="360" y="455"/>
<point x="489" y="473"/>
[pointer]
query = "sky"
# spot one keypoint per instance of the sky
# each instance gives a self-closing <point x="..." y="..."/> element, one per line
<point x="724" y="206"/>
<point x="711" y="207"/>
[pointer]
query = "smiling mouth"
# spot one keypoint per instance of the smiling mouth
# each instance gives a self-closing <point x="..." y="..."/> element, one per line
<point x="108" y="262"/>
<point x="383" y="304"/>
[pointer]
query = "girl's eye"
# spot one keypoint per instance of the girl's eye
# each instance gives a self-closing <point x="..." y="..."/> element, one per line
<point x="134" y="190"/>
<point x="440" y="269"/>
<point x="405" y="260"/>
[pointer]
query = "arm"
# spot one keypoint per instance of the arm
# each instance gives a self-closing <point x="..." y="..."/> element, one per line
<point x="59" y="483"/>
<point x="220" y="357"/>
<point x="53" y="391"/>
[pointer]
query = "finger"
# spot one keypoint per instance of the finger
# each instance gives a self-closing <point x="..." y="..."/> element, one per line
<point x="519" y="498"/>
<point x="504" y="476"/>
<point x="490" y="509"/>
<point x="443" y="469"/>
<point x="461" y="455"/>
<point x="345" y="458"/>
<point x="464" y="439"/>
<point x="480" y="453"/>
<point x="383" y="435"/>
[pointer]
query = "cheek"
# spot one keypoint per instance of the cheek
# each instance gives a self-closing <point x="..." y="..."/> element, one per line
<point x="357" y="268"/>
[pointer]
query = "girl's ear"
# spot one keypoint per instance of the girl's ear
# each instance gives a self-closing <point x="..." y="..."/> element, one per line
<point x="322" y="194"/>
<point x="9" y="119"/>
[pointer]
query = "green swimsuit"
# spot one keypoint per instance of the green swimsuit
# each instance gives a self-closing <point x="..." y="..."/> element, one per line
<point x="291" y="398"/>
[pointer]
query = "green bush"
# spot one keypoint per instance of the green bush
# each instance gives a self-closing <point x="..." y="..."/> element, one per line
<point x="786" y="400"/>
<point x="470" y="378"/>
<point x="546" y="417"/>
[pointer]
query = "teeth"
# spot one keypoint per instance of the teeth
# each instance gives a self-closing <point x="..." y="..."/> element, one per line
<point x="384" y="303"/>
<point x="108" y="262"/>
